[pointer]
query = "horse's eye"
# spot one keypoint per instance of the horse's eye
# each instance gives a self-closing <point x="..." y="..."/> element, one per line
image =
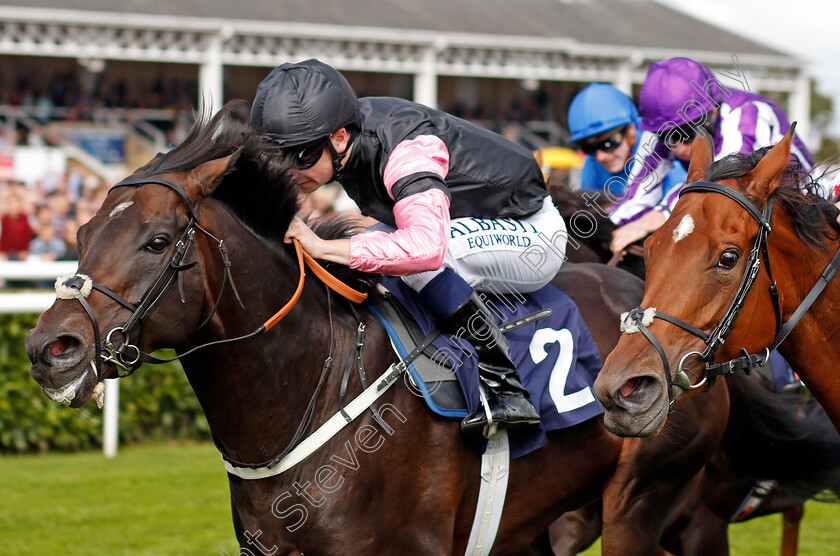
<point x="158" y="244"/>
<point x="728" y="259"/>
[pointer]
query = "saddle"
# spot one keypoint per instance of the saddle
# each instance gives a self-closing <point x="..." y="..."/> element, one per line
<point x="556" y="357"/>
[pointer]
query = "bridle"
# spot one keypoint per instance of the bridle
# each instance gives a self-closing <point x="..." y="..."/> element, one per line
<point x="714" y="339"/>
<point x="128" y="357"/>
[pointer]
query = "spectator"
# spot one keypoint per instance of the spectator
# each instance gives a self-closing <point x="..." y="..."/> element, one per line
<point x="59" y="203"/>
<point x="85" y="209"/>
<point x="46" y="246"/>
<point x="71" y="246"/>
<point x="43" y="215"/>
<point x="15" y="232"/>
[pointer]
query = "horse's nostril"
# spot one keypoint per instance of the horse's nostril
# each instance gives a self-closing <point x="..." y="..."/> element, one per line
<point x="59" y="346"/>
<point x="629" y="387"/>
<point x="62" y="347"/>
<point x="639" y="390"/>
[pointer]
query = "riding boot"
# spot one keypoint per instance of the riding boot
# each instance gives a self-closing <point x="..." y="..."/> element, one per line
<point x="507" y="401"/>
<point x="461" y="312"/>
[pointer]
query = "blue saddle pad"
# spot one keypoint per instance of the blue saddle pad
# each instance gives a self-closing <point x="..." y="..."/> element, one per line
<point x="556" y="357"/>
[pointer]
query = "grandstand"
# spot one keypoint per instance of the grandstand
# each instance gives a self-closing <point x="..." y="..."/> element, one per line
<point x="92" y="88"/>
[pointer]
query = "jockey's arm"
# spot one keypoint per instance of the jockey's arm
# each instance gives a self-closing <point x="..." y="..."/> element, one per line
<point x="419" y="243"/>
<point x="414" y="177"/>
<point x="647" y="171"/>
<point x="332" y="250"/>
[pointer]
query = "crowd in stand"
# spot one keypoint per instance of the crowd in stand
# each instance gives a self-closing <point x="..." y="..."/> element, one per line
<point x="64" y="90"/>
<point x="40" y="222"/>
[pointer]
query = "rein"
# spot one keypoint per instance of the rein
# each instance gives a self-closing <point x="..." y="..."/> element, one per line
<point x="128" y="357"/>
<point x="640" y="319"/>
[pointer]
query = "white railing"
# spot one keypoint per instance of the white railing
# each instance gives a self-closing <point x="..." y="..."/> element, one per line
<point x="37" y="302"/>
<point x="31" y="302"/>
<point x="35" y="269"/>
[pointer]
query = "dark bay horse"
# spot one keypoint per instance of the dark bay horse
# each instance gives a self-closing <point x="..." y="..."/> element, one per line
<point x="190" y="254"/>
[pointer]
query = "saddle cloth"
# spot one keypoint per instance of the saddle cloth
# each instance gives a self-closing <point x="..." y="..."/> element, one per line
<point x="556" y="357"/>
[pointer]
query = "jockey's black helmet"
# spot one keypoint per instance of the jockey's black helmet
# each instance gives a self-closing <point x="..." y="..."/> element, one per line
<point x="298" y="103"/>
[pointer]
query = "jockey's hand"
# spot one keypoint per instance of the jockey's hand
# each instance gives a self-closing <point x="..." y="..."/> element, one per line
<point x="837" y="204"/>
<point x="303" y="233"/>
<point x="334" y="250"/>
<point x="625" y="235"/>
<point x="636" y="230"/>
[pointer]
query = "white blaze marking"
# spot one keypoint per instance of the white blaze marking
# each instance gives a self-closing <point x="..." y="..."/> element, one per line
<point x="685" y="227"/>
<point x="119" y="208"/>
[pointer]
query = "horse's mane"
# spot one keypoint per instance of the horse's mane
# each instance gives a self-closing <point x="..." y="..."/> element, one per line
<point x="260" y="192"/>
<point x="568" y="203"/>
<point x="814" y="217"/>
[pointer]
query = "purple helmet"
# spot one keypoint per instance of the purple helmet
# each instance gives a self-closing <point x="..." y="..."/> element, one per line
<point x="677" y="91"/>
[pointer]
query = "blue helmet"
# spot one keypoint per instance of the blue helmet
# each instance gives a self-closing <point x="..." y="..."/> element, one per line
<point x="599" y="108"/>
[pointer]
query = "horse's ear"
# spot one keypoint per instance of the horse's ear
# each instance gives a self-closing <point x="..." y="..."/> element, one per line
<point x="209" y="175"/>
<point x="764" y="178"/>
<point x="702" y="154"/>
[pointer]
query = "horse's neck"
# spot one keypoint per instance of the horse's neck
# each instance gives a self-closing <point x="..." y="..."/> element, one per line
<point x="813" y="346"/>
<point x="797" y="268"/>
<point x="255" y="393"/>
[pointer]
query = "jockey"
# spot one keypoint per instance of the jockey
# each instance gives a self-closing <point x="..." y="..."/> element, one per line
<point x="679" y="98"/>
<point x="464" y="207"/>
<point x="603" y="122"/>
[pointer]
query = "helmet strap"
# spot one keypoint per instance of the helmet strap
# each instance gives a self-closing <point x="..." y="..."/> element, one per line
<point x="337" y="158"/>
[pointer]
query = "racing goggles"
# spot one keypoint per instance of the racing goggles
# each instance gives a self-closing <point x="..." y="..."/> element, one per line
<point x="607" y="144"/>
<point x="684" y="134"/>
<point x="303" y="157"/>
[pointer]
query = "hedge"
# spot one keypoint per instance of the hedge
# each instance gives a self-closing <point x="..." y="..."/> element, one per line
<point x="156" y="402"/>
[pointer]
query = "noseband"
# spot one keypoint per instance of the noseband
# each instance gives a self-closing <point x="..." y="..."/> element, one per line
<point x="641" y="318"/>
<point x="128" y="357"/>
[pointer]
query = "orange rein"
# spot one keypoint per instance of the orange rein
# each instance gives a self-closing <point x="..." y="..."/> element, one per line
<point x="331" y="281"/>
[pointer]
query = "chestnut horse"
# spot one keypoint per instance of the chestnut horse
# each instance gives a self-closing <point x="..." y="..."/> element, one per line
<point x="210" y="216"/>
<point x="770" y="437"/>
<point x="744" y="259"/>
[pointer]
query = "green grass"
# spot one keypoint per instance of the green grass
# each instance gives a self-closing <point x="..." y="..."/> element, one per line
<point x="146" y="501"/>
<point x="818" y="534"/>
<point x="159" y="499"/>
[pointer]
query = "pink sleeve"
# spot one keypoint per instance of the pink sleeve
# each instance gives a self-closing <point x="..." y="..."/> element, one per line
<point x="419" y="244"/>
<point x="425" y="153"/>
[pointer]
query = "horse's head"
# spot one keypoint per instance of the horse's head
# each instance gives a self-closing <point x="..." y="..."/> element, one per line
<point x="134" y="291"/>
<point x="695" y="265"/>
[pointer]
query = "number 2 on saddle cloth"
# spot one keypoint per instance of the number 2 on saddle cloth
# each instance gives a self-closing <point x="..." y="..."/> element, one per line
<point x="556" y="357"/>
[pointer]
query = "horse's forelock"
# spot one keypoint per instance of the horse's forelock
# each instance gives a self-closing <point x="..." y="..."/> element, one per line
<point x="258" y="192"/>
